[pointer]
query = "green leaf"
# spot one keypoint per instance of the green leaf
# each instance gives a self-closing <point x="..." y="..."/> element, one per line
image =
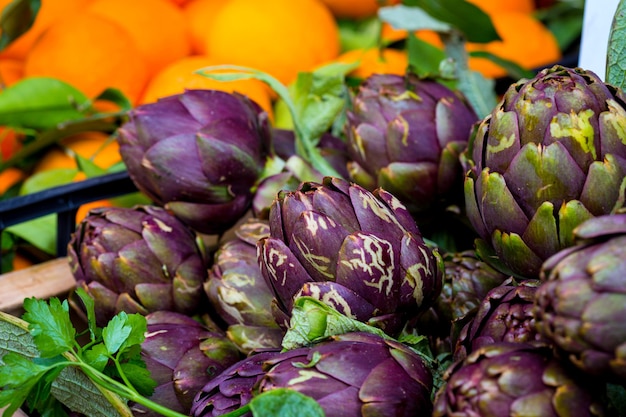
<point x="283" y="402"/>
<point x="139" y="376"/>
<point x="17" y="17"/>
<point x="50" y="325"/>
<point x="97" y="356"/>
<point x="424" y="58"/>
<point x="616" y="51"/>
<point x="48" y="179"/>
<point x="77" y="392"/>
<point x="87" y="166"/>
<point x="359" y="34"/>
<point x="18" y="376"/>
<point x="90" y="307"/>
<point x="139" y="328"/>
<point x="41" y="103"/>
<point x="470" y="20"/>
<point x="479" y="91"/>
<point x="313" y="321"/>
<point x="411" y="19"/>
<point x="40" y="232"/>
<point x="116" y="332"/>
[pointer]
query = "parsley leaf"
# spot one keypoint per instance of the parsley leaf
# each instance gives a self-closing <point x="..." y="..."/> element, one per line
<point x="50" y="326"/>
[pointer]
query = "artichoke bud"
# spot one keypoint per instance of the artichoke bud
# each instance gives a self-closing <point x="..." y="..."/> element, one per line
<point x="359" y="252"/>
<point x="198" y="153"/>
<point x="138" y="260"/>
<point x="551" y="155"/>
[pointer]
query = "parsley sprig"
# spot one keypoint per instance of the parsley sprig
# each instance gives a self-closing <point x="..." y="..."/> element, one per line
<point x="45" y="350"/>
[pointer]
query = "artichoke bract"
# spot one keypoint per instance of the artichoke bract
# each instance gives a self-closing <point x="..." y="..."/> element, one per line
<point x="138" y="260"/>
<point x="405" y="135"/>
<point x="517" y="379"/>
<point x="232" y="388"/>
<point x="198" y="153"/>
<point x="581" y="304"/>
<point x="182" y="356"/>
<point x="357" y="251"/>
<point x="239" y="293"/>
<point x="355" y="375"/>
<point x="550" y="155"/>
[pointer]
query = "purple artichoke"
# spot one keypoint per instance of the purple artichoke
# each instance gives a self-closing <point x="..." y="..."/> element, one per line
<point x="354" y="375"/>
<point x="405" y="135"/>
<point x="517" y="379"/>
<point x="238" y="292"/>
<point x="198" y="153"/>
<point x="182" y="356"/>
<point x="581" y="304"/>
<point x="357" y="251"/>
<point x="504" y="315"/>
<point x="138" y="260"/>
<point x="233" y="388"/>
<point x="551" y="155"/>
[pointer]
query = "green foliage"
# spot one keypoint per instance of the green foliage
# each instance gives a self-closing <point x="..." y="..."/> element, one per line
<point x="616" y="58"/>
<point x="17" y="17"/>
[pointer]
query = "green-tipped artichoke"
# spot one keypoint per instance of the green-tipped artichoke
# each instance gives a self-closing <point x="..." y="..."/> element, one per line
<point x="551" y="155"/>
<point x="517" y="379"/>
<point x="581" y="305"/>
<point x="405" y="135"/>
<point x="238" y="292"/>
<point x="138" y="260"/>
<point x="357" y="251"/>
<point x="182" y="355"/>
<point x="355" y="375"/>
<point x="199" y="154"/>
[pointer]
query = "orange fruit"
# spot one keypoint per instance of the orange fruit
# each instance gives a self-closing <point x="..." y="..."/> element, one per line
<point x="492" y="7"/>
<point x="11" y="71"/>
<point x="49" y="12"/>
<point x="355" y="9"/>
<point x="21" y="262"/>
<point x="90" y="52"/>
<point x="180" y="75"/>
<point x="9" y="177"/>
<point x="525" y="41"/>
<point x="199" y="15"/>
<point x="180" y="3"/>
<point x="373" y="60"/>
<point x="280" y="37"/>
<point x="157" y="27"/>
<point x="10" y="142"/>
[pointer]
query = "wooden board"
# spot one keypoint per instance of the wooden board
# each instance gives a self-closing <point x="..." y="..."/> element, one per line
<point x="48" y="279"/>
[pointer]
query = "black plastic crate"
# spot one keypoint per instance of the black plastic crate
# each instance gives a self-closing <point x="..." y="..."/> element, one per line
<point x="64" y="201"/>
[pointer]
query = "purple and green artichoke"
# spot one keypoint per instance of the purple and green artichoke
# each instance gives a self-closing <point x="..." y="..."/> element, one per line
<point x="138" y="260"/>
<point x="199" y="154"/>
<point x="355" y="375"/>
<point x="232" y="388"/>
<point x="581" y="305"/>
<point x="357" y="251"/>
<point x="504" y="315"/>
<point x="550" y="155"/>
<point x="405" y="135"/>
<point x="517" y="379"/>
<point x="182" y="355"/>
<point x="238" y="292"/>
